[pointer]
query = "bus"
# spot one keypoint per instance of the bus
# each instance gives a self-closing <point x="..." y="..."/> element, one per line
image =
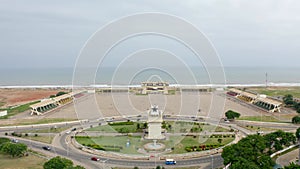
<point x="170" y="162"/>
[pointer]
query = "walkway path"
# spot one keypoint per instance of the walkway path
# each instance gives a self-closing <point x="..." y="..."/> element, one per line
<point x="287" y="158"/>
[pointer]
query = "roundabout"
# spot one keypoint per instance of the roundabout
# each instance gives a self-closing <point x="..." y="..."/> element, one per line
<point x="180" y="139"/>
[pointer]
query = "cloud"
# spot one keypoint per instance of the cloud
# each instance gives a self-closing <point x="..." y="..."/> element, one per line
<point x="43" y="32"/>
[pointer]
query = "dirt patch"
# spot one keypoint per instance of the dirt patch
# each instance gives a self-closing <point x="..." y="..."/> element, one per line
<point x="13" y="97"/>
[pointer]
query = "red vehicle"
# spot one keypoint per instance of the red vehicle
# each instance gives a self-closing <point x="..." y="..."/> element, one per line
<point x="95" y="159"/>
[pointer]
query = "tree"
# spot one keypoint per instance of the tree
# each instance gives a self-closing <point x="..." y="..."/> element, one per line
<point x="276" y="140"/>
<point x="58" y="163"/>
<point x="296" y="105"/>
<point x="243" y="163"/>
<point x="145" y="125"/>
<point x="248" y="153"/>
<point x="60" y="93"/>
<point x="288" y="99"/>
<point x="220" y="140"/>
<point x="14" y="149"/>
<point x="4" y="140"/>
<point x="298" y="133"/>
<point x="232" y="115"/>
<point x="296" y="120"/>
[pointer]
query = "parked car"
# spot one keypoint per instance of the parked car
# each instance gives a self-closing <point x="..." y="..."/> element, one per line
<point x="95" y="159"/>
<point x="46" y="148"/>
<point x="74" y="129"/>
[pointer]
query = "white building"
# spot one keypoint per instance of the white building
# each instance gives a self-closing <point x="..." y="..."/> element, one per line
<point x="155" y="119"/>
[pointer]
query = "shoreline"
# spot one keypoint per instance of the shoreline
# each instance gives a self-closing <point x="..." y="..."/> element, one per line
<point x="129" y="86"/>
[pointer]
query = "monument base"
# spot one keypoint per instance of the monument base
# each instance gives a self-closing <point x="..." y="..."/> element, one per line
<point x="162" y="137"/>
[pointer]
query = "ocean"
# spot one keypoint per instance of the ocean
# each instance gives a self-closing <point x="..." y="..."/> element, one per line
<point x="239" y="76"/>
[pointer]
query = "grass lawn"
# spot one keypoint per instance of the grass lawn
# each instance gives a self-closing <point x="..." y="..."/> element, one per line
<point x="18" y="109"/>
<point x="135" y="142"/>
<point x="104" y="128"/>
<point x="29" y="162"/>
<point x="256" y="128"/>
<point x="44" y="139"/>
<point x="260" y="118"/>
<point x="50" y="130"/>
<point x="184" y="127"/>
<point x="177" y="127"/>
<point x="278" y="91"/>
<point x="2" y="104"/>
<point x="191" y="141"/>
<point x="117" y="128"/>
<point x="171" y="92"/>
<point x="178" y="142"/>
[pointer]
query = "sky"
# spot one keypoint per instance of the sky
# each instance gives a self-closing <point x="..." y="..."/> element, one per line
<point x="50" y="34"/>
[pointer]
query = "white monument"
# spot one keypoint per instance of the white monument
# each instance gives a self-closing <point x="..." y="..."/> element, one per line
<point x="155" y="119"/>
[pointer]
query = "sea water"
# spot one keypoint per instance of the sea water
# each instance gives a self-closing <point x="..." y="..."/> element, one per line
<point x="63" y="77"/>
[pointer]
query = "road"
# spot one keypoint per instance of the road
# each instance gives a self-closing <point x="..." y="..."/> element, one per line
<point x="62" y="148"/>
<point x="84" y="159"/>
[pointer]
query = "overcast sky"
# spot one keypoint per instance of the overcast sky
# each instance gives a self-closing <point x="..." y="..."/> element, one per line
<point x="35" y="33"/>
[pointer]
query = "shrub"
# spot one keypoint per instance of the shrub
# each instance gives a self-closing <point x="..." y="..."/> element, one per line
<point x="296" y="120"/>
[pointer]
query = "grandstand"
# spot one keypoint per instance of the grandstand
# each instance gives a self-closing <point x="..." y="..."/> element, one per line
<point x="49" y="104"/>
<point x="268" y="104"/>
<point x="265" y="103"/>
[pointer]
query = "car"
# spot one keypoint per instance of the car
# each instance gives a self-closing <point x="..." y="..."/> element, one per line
<point x="170" y="162"/>
<point x="46" y="148"/>
<point x="74" y="129"/>
<point x="95" y="159"/>
<point x="260" y="132"/>
<point x="226" y="120"/>
<point x="109" y="120"/>
<point x="14" y="140"/>
<point x="68" y="132"/>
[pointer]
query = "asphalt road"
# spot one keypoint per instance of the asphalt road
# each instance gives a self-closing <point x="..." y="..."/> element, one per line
<point x="85" y="158"/>
<point x="66" y="150"/>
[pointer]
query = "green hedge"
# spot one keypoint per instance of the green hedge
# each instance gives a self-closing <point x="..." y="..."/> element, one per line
<point x="202" y="147"/>
<point x="121" y="123"/>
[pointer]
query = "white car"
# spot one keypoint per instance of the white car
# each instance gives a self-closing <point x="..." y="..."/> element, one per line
<point x="14" y="140"/>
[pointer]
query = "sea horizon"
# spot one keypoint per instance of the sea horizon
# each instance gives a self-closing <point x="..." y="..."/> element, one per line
<point x="234" y="76"/>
